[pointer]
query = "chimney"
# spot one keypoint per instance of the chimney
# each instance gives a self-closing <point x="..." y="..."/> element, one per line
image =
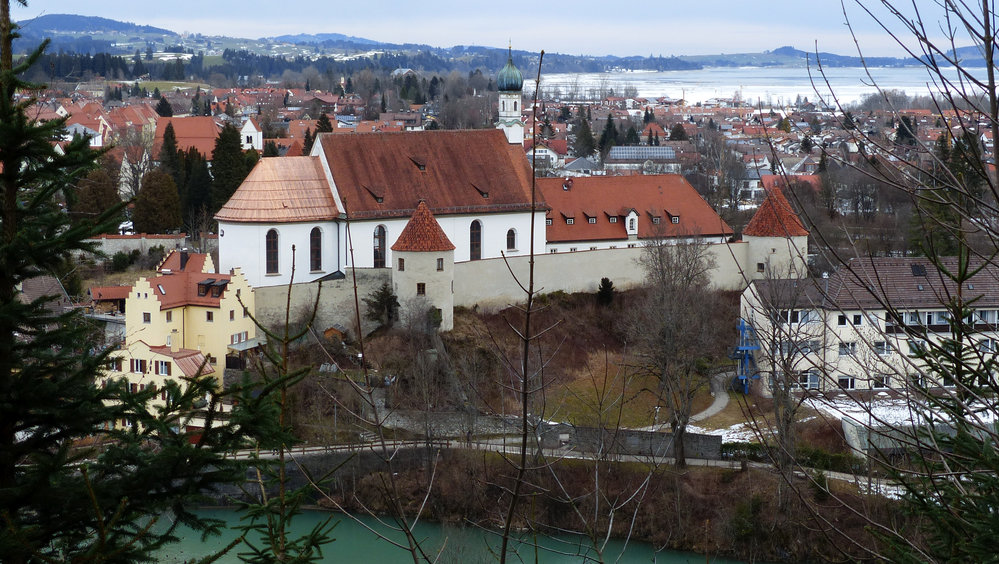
<point x="183" y="258"/>
<point x="174" y="341"/>
<point x="567" y="185"/>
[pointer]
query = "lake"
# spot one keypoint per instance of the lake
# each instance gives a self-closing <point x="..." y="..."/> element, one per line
<point x="355" y="543"/>
<point x="754" y="84"/>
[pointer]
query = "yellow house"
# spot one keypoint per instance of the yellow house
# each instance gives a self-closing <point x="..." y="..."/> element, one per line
<point x="145" y="366"/>
<point x="188" y="306"/>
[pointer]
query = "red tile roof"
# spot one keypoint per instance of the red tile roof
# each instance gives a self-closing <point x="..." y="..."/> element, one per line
<point x="282" y="189"/>
<point x="606" y="197"/>
<point x="775" y="218"/>
<point x="197" y="132"/>
<point x="98" y="293"/>
<point x="467" y="171"/>
<point x="189" y="361"/>
<point x="179" y="287"/>
<point x="423" y="233"/>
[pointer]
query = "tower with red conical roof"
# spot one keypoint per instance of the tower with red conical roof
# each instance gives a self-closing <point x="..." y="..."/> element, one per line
<point x="777" y="239"/>
<point x="423" y="273"/>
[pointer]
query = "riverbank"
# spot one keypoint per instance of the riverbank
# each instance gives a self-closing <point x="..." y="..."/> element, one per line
<point x="716" y="511"/>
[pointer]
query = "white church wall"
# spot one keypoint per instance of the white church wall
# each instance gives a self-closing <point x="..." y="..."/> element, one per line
<point x="242" y="245"/>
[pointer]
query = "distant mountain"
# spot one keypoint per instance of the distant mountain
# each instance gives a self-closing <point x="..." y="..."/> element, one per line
<point x="71" y="23"/>
<point x="791" y="57"/>
<point x="321" y="38"/>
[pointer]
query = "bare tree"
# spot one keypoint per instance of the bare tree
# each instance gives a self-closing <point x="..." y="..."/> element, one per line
<point x="137" y="145"/>
<point x="674" y="329"/>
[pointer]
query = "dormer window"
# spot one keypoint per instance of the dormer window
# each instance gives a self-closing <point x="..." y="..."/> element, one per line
<point x="591" y="220"/>
<point x="612" y="219"/>
<point x="548" y="221"/>
<point x="569" y="221"/>
<point x="675" y="219"/>
<point x="655" y="220"/>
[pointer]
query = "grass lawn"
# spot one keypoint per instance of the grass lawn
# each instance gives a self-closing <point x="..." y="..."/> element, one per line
<point x="607" y="392"/>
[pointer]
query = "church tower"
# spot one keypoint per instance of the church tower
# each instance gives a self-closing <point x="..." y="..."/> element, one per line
<point x="510" y="83"/>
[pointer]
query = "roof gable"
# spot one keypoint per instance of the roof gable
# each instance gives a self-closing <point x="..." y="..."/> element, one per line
<point x="282" y="189"/>
<point x="775" y="218"/>
<point x="422" y="233"/>
<point x="470" y="171"/>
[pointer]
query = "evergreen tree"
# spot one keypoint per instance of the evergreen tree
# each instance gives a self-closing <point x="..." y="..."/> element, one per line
<point x="584" y="144"/>
<point x="307" y="141"/>
<point x="631" y="137"/>
<point x="228" y="166"/>
<point x="649" y="141"/>
<point x="656" y="141"/>
<point x="95" y="195"/>
<point x="608" y="138"/>
<point x="197" y="192"/>
<point x="807" y="144"/>
<point x="382" y="305"/>
<point x="271" y="149"/>
<point x="323" y="124"/>
<point x="605" y="292"/>
<point x="157" y="207"/>
<point x="171" y="158"/>
<point x="163" y="107"/>
<point x="677" y="133"/>
<point x="71" y="488"/>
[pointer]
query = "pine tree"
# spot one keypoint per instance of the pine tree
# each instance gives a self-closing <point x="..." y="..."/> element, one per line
<point x="228" y="166"/>
<point x="677" y="133"/>
<point x="271" y="149"/>
<point x="323" y="124"/>
<point x="608" y="138"/>
<point x="585" y="144"/>
<point x="197" y="192"/>
<point x="71" y="489"/>
<point x="307" y="141"/>
<point x="163" y="107"/>
<point x="171" y="158"/>
<point x="157" y="207"/>
<point x="95" y="194"/>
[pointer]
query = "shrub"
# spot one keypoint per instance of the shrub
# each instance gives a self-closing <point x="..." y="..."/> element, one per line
<point x="120" y="261"/>
<point x="605" y="293"/>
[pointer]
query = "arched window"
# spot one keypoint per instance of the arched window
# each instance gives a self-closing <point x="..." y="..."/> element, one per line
<point x="511" y="240"/>
<point x="380" y="247"/>
<point x="515" y="106"/>
<point x="316" y="249"/>
<point x="271" y="248"/>
<point x="475" y="241"/>
<point x="631" y="224"/>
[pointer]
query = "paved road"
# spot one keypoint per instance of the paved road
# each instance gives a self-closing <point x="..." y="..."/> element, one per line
<point x="719" y="389"/>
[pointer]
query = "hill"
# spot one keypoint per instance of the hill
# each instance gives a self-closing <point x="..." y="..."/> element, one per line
<point x="72" y="23"/>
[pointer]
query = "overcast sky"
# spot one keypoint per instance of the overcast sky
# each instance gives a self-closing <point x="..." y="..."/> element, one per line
<point x="584" y="27"/>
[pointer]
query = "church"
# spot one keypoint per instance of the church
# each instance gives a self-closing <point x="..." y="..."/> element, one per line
<point x="358" y="206"/>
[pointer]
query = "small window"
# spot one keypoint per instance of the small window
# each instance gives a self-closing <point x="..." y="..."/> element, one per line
<point x="847" y="382"/>
<point x="858" y="319"/>
<point x="209" y="316"/>
<point x="511" y="240"/>
<point x="440" y="265"/>
<point x="147" y="317"/>
<point x="631" y="245"/>
<point x="655" y="220"/>
<point x="841" y="321"/>
<point x="402" y="264"/>
<point x="848" y="349"/>
<point x="631" y="224"/>
<point x="216" y="291"/>
<point x="760" y="267"/>
<point x="880" y="381"/>
<point x="882" y="348"/>
<point x="569" y="221"/>
<point x="232" y="315"/>
<point x="202" y="289"/>
<point x="612" y="219"/>
<point x="421" y="289"/>
<point x="162" y="367"/>
<point x="675" y="219"/>
<point x="591" y="220"/>
<point x="548" y="221"/>
<point x="169" y="316"/>
<point x="916" y="347"/>
<point x="246" y="313"/>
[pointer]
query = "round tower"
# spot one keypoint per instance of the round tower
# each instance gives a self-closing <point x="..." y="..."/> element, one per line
<point x="423" y="273"/>
<point x="777" y="240"/>
<point x="510" y="83"/>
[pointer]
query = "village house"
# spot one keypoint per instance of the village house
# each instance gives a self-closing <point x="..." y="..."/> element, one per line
<point x="837" y="333"/>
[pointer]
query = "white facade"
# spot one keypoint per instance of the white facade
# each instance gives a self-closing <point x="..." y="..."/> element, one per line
<point x="510" y="117"/>
<point x="244" y="244"/>
<point x="251" y="137"/>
